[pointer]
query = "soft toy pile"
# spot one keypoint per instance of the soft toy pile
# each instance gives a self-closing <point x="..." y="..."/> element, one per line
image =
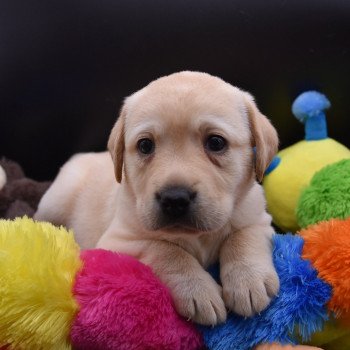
<point x="308" y="183"/>
<point x="55" y="297"/>
<point x="51" y="297"/>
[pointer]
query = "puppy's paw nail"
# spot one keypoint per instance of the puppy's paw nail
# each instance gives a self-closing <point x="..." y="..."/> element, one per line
<point x="272" y="284"/>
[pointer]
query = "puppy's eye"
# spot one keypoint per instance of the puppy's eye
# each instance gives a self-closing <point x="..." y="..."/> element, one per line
<point x="145" y="146"/>
<point x="215" y="143"/>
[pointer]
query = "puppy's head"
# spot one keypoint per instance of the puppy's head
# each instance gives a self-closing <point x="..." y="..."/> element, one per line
<point x="183" y="146"/>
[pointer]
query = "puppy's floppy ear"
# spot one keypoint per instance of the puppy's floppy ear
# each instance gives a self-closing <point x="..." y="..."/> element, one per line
<point x="264" y="137"/>
<point x="116" y="144"/>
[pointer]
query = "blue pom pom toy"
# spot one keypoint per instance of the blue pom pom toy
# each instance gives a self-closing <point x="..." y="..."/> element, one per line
<point x="297" y="312"/>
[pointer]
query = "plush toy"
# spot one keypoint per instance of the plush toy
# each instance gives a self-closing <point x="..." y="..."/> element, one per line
<point x="3" y="178"/>
<point x="318" y="196"/>
<point x="298" y="311"/>
<point x="327" y="246"/>
<point x="55" y="297"/>
<point x="327" y="196"/>
<point x="19" y="195"/>
<point x="293" y="168"/>
<point x="51" y="297"/>
<point x="38" y="265"/>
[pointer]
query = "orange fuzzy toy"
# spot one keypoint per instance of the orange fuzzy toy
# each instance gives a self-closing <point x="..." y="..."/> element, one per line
<point x="327" y="246"/>
<point x="276" y="346"/>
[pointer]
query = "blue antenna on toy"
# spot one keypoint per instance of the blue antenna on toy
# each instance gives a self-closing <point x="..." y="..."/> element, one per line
<point x="309" y="109"/>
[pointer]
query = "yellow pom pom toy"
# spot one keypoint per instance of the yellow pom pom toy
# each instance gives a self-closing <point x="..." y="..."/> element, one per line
<point x="38" y="264"/>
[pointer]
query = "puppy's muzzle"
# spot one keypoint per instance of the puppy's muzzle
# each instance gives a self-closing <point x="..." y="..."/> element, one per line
<point x="175" y="204"/>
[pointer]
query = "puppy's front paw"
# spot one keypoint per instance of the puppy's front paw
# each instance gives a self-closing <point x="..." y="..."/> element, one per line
<point x="248" y="289"/>
<point x="199" y="299"/>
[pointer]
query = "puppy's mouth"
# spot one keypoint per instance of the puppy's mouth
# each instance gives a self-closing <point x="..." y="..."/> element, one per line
<point x="181" y="229"/>
<point x="188" y="224"/>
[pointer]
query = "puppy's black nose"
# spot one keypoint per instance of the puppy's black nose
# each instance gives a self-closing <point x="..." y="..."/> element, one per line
<point x="175" y="201"/>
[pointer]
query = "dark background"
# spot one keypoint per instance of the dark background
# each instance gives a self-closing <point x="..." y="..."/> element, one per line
<point x="65" y="66"/>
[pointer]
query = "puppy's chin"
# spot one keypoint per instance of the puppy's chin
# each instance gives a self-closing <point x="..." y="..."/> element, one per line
<point x="187" y="225"/>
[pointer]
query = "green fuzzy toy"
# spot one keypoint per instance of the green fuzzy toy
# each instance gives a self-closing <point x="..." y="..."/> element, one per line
<point x="327" y="196"/>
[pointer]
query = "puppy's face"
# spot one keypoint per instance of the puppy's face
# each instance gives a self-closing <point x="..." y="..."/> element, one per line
<point x="184" y="147"/>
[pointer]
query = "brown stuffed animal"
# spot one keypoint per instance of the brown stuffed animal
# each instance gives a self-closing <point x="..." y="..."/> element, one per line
<point x="19" y="195"/>
<point x="3" y="177"/>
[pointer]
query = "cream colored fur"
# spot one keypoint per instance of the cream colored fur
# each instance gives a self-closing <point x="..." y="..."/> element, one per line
<point x="179" y="112"/>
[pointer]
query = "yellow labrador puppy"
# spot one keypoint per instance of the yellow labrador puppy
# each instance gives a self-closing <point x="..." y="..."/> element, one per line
<point x="179" y="192"/>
